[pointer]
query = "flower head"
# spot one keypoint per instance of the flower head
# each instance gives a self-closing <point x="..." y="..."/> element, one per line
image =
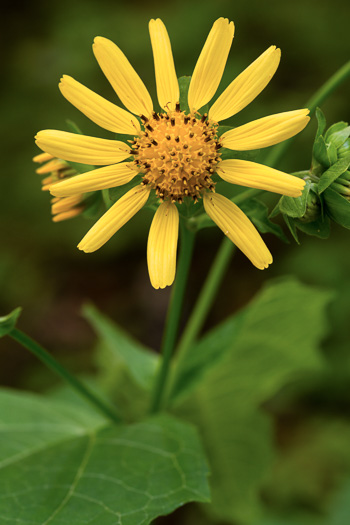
<point x="175" y="151"/>
<point x="55" y="170"/>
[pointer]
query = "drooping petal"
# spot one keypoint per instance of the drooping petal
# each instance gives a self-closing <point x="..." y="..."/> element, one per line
<point x="162" y="245"/>
<point x="118" y="215"/>
<point x="100" y="179"/>
<point x="123" y="77"/>
<point x="247" y="86"/>
<point x="211" y="64"/>
<point x="52" y="165"/>
<point x="254" y="175"/>
<point x="42" y="157"/>
<point x="238" y="228"/>
<point x="62" y="205"/>
<point x="266" y="131"/>
<point x="79" y="148"/>
<point x="98" y="109"/>
<point x="167" y="85"/>
<point x="68" y="214"/>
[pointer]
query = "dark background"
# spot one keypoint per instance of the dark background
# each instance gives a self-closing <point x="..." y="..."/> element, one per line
<point x="40" y="267"/>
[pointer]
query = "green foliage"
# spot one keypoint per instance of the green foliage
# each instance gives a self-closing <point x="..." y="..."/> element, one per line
<point x="126" y="368"/>
<point x="335" y="171"/>
<point x="184" y="84"/>
<point x="327" y="185"/>
<point x="338" y="207"/>
<point x="118" y="191"/>
<point x="94" y="205"/>
<point x="141" y="362"/>
<point x="8" y="322"/>
<point x="258" y="213"/>
<point x="277" y="341"/>
<point x="191" y="366"/>
<point x="295" y="206"/>
<point x="61" y="465"/>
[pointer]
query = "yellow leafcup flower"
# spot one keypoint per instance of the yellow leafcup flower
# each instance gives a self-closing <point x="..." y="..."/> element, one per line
<point x="62" y="208"/>
<point x="175" y="152"/>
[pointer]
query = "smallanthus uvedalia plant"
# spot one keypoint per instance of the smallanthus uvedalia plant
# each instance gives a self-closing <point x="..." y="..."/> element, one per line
<point x="148" y="429"/>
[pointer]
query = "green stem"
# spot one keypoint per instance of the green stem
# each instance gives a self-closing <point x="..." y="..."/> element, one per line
<point x="173" y="316"/>
<point x="316" y="100"/>
<point x="59" y="370"/>
<point x="206" y="296"/>
<point x="222" y="259"/>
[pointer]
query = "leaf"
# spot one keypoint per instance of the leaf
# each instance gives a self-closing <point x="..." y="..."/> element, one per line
<point x="191" y="366"/>
<point x="184" y="84"/>
<point x="320" y="228"/>
<point x="94" y="205"/>
<point x="333" y="173"/>
<point x="295" y="206"/>
<point x="277" y="342"/>
<point x="118" y="191"/>
<point x="320" y="152"/>
<point x="226" y="153"/>
<point x="258" y="213"/>
<point x="337" y="134"/>
<point x="332" y="153"/>
<point x="291" y="224"/>
<point x="337" y="207"/>
<point x="140" y="361"/>
<point x="8" y="322"/>
<point x="62" y="466"/>
<point x="321" y="122"/>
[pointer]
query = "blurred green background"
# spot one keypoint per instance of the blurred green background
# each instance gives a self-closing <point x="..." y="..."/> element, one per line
<point x="40" y="267"/>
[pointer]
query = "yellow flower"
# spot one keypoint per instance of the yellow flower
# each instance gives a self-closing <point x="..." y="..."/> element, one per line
<point x="175" y="152"/>
<point x="62" y="208"/>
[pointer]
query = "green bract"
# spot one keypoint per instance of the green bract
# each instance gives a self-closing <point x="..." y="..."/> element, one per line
<point x="8" y="322"/>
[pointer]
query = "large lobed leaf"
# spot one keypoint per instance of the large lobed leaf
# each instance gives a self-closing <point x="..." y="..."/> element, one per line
<point x="277" y="341"/>
<point x="63" y="466"/>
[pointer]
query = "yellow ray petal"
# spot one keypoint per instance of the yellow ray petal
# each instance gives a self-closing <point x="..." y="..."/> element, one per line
<point x="123" y="77"/>
<point x="98" y="109"/>
<point x="211" y="64"/>
<point x="167" y="85"/>
<point x="238" y="228"/>
<point x="100" y="179"/>
<point x="253" y="175"/>
<point x="52" y="165"/>
<point x="79" y="148"/>
<point x="68" y="214"/>
<point x="119" y="214"/>
<point x="266" y="131"/>
<point x="42" y="157"/>
<point x="162" y="245"/>
<point x="65" y="204"/>
<point x="246" y="86"/>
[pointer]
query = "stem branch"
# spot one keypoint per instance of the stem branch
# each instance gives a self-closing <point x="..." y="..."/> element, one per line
<point x="59" y="370"/>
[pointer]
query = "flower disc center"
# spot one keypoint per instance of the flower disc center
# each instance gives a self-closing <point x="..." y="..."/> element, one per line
<point x="177" y="154"/>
